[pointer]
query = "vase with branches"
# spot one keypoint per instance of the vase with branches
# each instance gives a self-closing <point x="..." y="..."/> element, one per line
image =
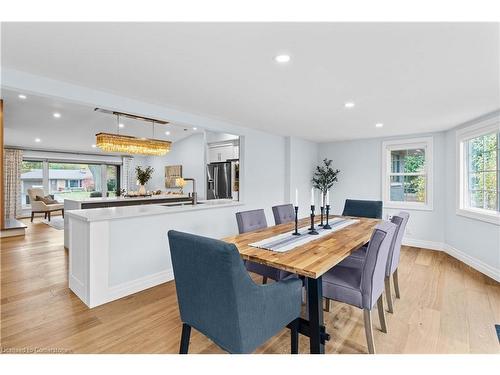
<point x="143" y="176"/>
<point x="324" y="177"/>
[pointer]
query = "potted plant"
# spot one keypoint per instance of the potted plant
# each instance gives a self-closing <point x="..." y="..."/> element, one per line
<point x="143" y="176"/>
<point x="324" y="177"/>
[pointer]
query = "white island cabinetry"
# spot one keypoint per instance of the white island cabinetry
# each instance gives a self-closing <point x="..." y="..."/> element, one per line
<point x="118" y="251"/>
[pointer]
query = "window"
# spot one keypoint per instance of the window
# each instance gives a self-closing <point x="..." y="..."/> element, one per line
<point x="407" y="173"/>
<point x="478" y="172"/>
<point x="31" y="177"/>
<point x="72" y="180"/>
<point x="68" y="179"/>
<point x="112" y="179"/>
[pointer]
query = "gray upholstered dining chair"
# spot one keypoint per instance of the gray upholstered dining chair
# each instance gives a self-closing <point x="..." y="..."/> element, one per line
<point x="217" y="296"/>
<point x="363" y="208"/>
<point x="253" y="220"/>
<point x="358" y="208"/>
<point x="363" y="287"/>
<point x="283" y="213"/>
<point x="356" y="259"/>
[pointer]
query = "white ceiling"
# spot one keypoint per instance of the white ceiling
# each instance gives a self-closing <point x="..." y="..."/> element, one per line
<point x="413" y="77"/>
<point x="31" y="118"/>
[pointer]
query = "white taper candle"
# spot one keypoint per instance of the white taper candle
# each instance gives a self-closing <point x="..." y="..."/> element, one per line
<point x="296" y="197"/>
<point x="328" y="197"/>
<point x="312" y="196"/>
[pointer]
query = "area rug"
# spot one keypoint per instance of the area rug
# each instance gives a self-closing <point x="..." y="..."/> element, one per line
<point x="55" y="222"/>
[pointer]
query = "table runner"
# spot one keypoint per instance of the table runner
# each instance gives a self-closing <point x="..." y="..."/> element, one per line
<point x="286" y="241"/>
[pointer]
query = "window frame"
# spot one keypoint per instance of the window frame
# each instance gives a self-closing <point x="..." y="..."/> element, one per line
<point x="46" y="170"/>
<point x="426" y="143"/>
<point x="462" y="170"/>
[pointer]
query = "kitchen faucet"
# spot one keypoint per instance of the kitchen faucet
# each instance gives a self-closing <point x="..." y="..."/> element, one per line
<point x="194" y="194"/>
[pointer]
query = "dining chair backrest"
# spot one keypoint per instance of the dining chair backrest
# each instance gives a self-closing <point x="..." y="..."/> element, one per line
<point x="363" y="208"/>
<point x="283" y="213"/>
<point x="251" y="220"/>
<point x="372" y="279"/>
<point x="212" y="286"/>
<point x="401" y="219"/>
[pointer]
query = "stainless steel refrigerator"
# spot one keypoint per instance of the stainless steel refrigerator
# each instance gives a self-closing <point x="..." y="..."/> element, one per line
<point x="219" y="180"/>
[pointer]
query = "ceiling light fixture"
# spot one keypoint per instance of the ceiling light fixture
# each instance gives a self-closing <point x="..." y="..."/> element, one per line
<point x="94" y="146"/>
<point x="56" y="115"/>
<point x="379" y="125"/>
<point x="121" y="126"/>
<point x="132" y="145"/>
<point x="195" y="128"/>
<point x="282" y="59"/>
<point x="37" y="140"/>
<point x="167" y="133"/>
<point x="22" y="96"/>
<point x="349" y="104"/>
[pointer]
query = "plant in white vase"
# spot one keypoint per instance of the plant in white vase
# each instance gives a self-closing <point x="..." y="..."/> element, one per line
<point x="324" y="177"/>
<point x="143" y="176"/>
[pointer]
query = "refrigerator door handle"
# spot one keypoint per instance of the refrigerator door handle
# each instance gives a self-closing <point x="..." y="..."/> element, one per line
<point x="216" y="179"/>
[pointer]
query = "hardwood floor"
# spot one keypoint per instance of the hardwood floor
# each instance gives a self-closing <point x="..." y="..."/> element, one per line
<point x="446" y="307"/>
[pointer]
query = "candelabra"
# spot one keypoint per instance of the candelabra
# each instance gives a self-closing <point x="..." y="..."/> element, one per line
<point x="327" y="226"/>
<point x="296" y="233"/>
<point x="312" y="230"/>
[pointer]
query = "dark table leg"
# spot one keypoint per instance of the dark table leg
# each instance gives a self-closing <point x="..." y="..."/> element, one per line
<point x="315" y="304"/>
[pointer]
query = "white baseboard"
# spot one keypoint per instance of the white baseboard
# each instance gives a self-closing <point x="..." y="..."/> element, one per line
<point x="478" y="265"/>
<point x="12" y="232"/>
<point x="135" y="286"/>
<point x="423" y="244"/>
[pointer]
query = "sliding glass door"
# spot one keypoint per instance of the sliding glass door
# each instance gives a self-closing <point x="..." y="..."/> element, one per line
<point x="31" y="177"/>
<point x="69" y="180"/>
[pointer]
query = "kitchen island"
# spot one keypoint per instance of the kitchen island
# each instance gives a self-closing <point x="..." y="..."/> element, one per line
<point x="98" y="202"/>
<point x="118" y="251"/>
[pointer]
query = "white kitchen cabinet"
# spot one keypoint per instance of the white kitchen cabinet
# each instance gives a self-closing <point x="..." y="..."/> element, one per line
<point x="222" y="153"/>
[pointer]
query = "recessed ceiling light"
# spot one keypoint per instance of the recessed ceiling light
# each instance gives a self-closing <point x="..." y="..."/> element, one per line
<point x="56" y="115"/>
<point x="38" y="140"/>
<point x="349" y="104"/>
<point x="195" y="128"/>
<point x="379" y="125"/>
<point x="94" y="146"/>
<point x="167" y="133"/>
<point x="121" y="125"/>
<point x="282" y="58"/>
<point x="22" y="96"/>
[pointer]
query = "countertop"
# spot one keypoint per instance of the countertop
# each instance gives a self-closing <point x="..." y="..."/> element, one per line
<point x="113" y="213"/>
<point x="123" y="199"/>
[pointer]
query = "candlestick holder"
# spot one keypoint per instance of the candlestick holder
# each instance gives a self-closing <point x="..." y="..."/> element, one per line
<point x="312" y="230"/>
<point x="296" y="233"/>
<point x="327" y="226"/>
<point x="322" y="209"/>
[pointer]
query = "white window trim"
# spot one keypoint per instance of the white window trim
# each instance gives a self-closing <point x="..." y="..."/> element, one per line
<point x="426" y="143"/>
<point x="463" y="135"/>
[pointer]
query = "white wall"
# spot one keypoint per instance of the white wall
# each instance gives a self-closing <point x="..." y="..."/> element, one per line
<point x="478" y="240"/>
<point x="302" y="159"/>
<point x="360" y="164"/>
<point x="188" y="152"/>
<point x="476" y="243"/>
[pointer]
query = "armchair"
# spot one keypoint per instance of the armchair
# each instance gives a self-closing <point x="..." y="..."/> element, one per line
<point x="217" y="296"/>
<point x="38" y="206"/>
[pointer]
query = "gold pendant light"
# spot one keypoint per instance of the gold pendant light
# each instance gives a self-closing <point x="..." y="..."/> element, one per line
<point x="131" y="145"/>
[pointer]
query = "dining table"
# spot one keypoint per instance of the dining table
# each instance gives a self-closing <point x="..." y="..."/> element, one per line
<point x="309" y="260"/>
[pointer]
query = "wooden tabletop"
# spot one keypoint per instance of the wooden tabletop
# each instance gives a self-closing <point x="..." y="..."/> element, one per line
<point x="312" y="259"/>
